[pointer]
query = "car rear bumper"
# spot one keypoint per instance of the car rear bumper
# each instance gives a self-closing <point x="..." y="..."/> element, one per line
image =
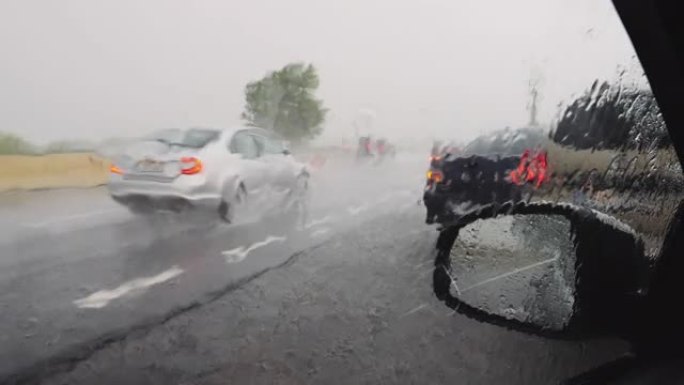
<point x="444" y="204"/>
<point x="187" y="193"/>
<point x="174" y="203"/>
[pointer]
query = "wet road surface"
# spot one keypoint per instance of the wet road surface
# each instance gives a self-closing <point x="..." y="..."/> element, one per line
<point x="92" y="294"/>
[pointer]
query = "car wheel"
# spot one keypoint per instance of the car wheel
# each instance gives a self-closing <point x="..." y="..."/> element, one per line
<point x="227" y="210"/>
<point x="300" y="200"/>
<point x="140" y="209"/>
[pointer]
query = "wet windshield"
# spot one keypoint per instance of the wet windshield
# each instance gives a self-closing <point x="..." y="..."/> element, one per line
<point x="307" y="191"/>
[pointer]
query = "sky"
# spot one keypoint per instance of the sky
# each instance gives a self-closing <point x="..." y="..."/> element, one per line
<point x="94" y="69"/>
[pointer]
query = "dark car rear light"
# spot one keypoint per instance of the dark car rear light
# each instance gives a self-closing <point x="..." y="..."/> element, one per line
<point x="435" y="176"/>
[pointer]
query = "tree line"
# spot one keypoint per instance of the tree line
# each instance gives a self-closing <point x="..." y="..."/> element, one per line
<point x="12" y="144"/>
<point x="284" y="101"/>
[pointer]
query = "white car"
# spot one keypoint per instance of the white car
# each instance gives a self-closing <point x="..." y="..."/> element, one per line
<point x="224" y="171"/>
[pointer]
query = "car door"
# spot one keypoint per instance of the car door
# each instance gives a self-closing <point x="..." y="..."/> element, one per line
<point x="252" y="171"/>
<point x="279" y="172"/>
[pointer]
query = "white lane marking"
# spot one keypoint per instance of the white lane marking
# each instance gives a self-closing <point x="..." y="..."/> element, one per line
<point x="240" y="253"/>
<point x="409" y="192"/>
<point x="69" y="218"/>
<point x="453" y="281"/>
<point x="519" y="270"/>
<point x="102" y="298"/>
<point x="316" y="222"/>
<point x="320" y="232"/>
<point x="354" y="210"/>
<point x="413" y="310"/>
<point x="385" y="198"/>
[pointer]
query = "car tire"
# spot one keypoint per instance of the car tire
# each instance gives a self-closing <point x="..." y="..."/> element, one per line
<point x="140" y="209"/>
<point x="300" y="200"/>
<point x="226" y="210"/>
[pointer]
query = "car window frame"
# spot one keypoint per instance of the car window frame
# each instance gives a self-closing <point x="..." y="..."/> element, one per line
<point x="232" y="143"/>
<point x="280" y="144"/>
<point x="265" y="140"/>
<point x="261" y="148"/>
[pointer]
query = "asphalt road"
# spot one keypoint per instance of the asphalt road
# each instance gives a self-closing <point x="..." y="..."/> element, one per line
<point x="91" y="294"/>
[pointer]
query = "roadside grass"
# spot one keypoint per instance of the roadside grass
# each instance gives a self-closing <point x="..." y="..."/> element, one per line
<point x="566" y="161"/>
<point x="25" y="172"/>
<point x="647" y="210"/>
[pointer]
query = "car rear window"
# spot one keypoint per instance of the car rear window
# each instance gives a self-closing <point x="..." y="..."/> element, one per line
<point x="198" y="138"/>
<point x="191" y="138"/>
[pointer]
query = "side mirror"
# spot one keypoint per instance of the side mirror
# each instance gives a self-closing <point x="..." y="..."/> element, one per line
<point x="286" y="152"/>
<point x="550" y="269"/>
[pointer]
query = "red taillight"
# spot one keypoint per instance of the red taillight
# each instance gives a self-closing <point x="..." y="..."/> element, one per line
<point x="435" y="176"/>
<point x="190" y="165"/>
<point x="115" y="170"/>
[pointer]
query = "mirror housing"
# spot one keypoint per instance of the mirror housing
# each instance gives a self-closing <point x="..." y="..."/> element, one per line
<point x="610" y="267"/>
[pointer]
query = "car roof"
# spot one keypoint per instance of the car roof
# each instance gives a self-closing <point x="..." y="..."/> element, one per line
<point x="261" y="131"/>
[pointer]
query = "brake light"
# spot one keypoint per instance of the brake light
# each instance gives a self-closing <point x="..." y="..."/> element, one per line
<point x="190" y="165"/>
<point x="435" y="176"/>
<point x="115" y="170"/>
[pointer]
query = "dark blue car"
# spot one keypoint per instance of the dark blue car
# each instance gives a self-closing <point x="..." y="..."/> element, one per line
<point x="458" y="184"/>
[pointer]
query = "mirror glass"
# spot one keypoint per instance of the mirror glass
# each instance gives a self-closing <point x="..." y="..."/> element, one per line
<point x="519" y="267"/>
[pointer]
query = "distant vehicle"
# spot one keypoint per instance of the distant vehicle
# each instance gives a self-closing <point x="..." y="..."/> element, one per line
<point x="458" y="184"/>
<point x="364" y="150"/>
<point x="220" y="171"/>
<point x="385" y="149"/>
<point x="378" y="149"/>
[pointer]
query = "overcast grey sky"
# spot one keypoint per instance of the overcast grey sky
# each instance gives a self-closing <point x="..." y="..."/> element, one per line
<point x="94" y="68"/>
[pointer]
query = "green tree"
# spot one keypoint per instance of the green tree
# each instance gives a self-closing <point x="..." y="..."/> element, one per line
<point x="284" y="101"/>
<point x="11" y="144"/>
<point x="69" y="146"/>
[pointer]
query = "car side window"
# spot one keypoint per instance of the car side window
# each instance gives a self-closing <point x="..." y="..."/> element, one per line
<point x="274" y="146"/>
<point x="269" y="145"/>
<point x="243" y="143"/>
<point x="261" y="143"/>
